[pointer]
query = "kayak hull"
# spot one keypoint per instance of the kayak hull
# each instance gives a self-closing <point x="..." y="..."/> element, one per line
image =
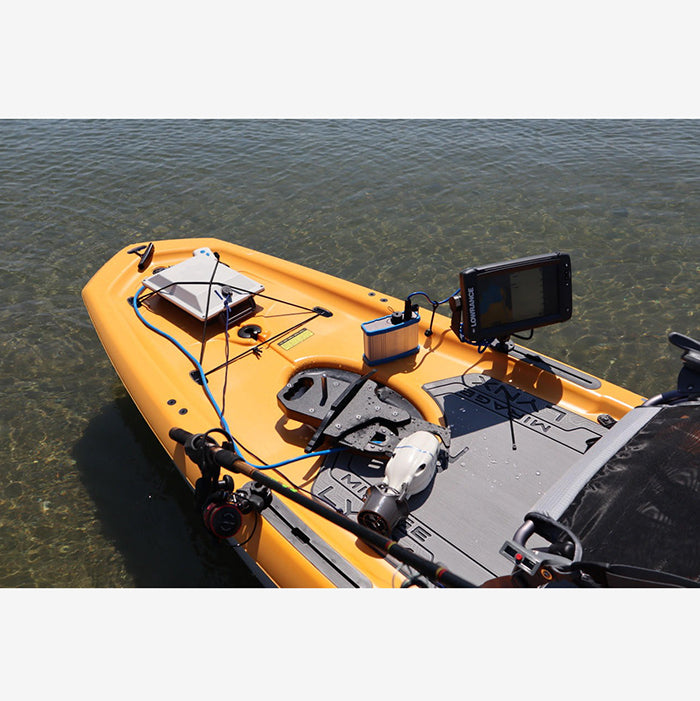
<point x="309" y="320"/>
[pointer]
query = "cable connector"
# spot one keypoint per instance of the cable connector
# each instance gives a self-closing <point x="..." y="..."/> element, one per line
<point x="407" y="309"/>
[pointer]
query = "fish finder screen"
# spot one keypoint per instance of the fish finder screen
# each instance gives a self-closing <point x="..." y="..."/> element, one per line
<point x="503" y="298"/>
<point x="510" y="297"/>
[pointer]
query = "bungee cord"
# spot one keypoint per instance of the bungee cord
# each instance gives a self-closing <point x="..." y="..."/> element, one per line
<point x="205" y="385"/>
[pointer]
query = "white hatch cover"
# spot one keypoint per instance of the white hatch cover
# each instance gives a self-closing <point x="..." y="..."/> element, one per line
<point x="187" y="285"/>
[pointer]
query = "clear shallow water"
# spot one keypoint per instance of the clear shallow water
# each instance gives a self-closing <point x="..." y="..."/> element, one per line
<point x="87" y="498"/>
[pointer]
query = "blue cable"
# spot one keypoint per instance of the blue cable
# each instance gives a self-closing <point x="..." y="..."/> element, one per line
<point x="193" y="360"/>
<point x="447" y="299"/>
<point x="328" y="451"/>
<point x="481" y="346"/>
<point x="224" y="424"/>
<point x="433" y="303"/>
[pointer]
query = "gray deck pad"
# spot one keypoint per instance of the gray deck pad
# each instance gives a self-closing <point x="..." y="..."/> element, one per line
<point x="479" y="498"/>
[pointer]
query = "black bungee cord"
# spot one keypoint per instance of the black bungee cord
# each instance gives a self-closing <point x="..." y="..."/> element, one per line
<point x="255" y="350"/>
<point x="206" y="312"/>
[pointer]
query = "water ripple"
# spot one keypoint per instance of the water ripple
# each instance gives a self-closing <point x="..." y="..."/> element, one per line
<point x="395" y="205"/>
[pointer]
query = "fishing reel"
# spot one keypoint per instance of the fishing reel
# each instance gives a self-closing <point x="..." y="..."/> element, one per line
<point x="221" y="505"/>
<point x="223" y="509"/>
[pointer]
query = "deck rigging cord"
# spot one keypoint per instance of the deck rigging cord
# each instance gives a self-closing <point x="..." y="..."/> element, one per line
<point x="139" y="299"/>
<point x="210" y="396"/>
<point x="153" y="293"/>
<point x="256" y="349"/>
<point x="206" y="313"/>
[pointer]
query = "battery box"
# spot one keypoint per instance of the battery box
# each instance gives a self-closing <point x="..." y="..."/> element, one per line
<point x="390" y="338"/>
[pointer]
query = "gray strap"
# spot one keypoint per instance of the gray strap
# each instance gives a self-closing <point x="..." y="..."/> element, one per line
<point x="557" y="498"/>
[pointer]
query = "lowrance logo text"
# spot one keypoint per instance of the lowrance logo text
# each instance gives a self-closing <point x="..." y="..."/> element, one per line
<point x="472" y="307"/>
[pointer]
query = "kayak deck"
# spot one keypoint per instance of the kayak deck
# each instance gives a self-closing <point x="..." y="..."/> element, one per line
<point x="489" y="401"/>
<point x="487" y="485"/>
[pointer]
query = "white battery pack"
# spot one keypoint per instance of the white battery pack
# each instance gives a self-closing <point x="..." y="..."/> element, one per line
<point x="390" y="338"/>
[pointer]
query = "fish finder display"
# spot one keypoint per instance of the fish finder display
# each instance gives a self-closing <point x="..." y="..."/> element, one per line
<point x="503" y="298"/>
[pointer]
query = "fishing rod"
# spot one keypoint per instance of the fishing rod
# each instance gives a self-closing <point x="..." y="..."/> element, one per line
<point x="228" y="460"/>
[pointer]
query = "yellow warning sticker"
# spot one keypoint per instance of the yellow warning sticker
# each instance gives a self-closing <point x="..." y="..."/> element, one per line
<point x="295" y="339"/>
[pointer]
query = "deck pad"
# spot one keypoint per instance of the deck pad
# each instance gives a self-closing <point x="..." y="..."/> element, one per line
<point x="478" y="499"/>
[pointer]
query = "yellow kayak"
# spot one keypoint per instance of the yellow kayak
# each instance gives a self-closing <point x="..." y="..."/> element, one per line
<point x="286" y="397"/>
